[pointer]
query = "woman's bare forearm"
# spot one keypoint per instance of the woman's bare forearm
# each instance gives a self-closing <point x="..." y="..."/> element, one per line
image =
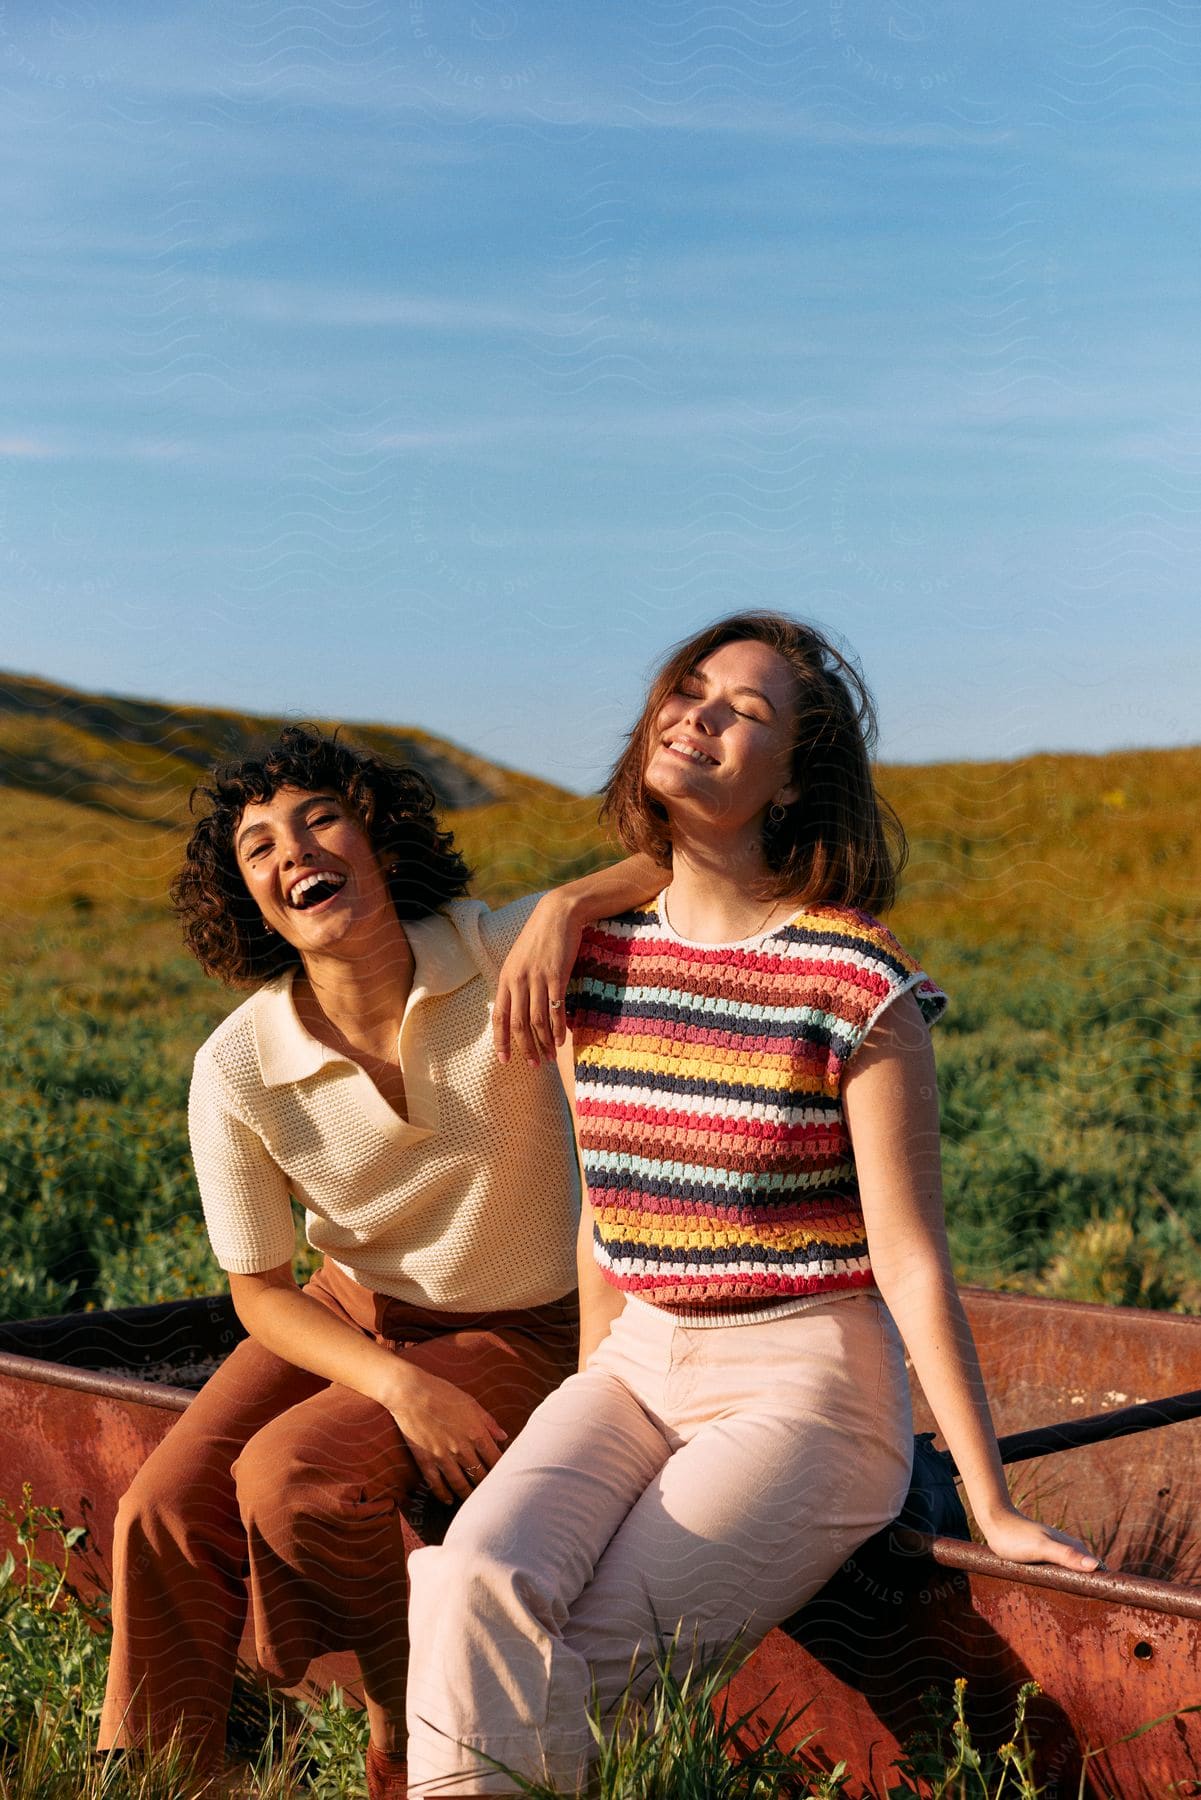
<point x="600" y="1301"/>
<point x="303" y="1332"/>
<point x="930" y="1317"/>
<point x="450" y="1436"/>
<point x="614" y="889"/>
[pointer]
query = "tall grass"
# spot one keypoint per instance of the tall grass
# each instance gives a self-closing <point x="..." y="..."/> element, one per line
<point x="680" y="1742"/>
<point x="54" y="1649"/>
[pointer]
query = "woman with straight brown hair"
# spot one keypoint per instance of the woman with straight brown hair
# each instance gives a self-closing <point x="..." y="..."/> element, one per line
<point x="756" y="1110"/>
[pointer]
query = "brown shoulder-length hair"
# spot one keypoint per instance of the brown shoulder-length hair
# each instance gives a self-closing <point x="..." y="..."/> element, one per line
<point x="222" y="925"/>
<point x="839" y="843"/>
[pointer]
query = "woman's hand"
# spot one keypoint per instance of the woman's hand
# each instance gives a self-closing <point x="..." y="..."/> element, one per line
<point x="533" y="982"/>
<point x="528" y="1014"/>
<point x="1022" y="1540"/>
<point x="454" y="1441"/>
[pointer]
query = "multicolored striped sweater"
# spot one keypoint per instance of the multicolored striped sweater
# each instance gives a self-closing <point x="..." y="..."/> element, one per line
<point x="709" y="1111"/>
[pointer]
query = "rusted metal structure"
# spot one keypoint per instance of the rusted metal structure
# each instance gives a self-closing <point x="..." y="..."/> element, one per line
<point x="83" y="1400"/>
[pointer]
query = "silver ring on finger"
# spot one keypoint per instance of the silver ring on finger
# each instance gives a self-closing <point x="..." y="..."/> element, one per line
<point x="556" y="1006"/>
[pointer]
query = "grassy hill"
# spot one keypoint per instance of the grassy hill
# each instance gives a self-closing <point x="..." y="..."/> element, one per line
<point x="95" y="803"/>
<point x="1049" y="846"/>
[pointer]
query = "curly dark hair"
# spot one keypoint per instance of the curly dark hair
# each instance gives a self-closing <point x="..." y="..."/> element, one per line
<point x="839" y="843"/>
<point x="222" y="925"/>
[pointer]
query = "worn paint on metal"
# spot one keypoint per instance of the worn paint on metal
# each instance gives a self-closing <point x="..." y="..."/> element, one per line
<point x="79" y="1449"/>
<point x="893" y="1625"/>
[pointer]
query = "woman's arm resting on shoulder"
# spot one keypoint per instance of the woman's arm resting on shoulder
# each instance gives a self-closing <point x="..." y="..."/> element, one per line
<point x="537" y="969"/>
<point x="890" y="1097"/>
<point x="600" y="1301"/>
<point x="445" y="1429"/>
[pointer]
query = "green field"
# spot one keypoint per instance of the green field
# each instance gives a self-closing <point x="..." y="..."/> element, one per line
<point x="1055" y="899"/>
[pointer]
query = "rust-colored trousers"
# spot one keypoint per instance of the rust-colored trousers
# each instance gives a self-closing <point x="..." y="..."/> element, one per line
<point x="290" y="1488"/>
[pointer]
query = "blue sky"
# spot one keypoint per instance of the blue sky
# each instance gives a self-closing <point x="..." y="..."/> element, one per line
<point x="442" y="363"/>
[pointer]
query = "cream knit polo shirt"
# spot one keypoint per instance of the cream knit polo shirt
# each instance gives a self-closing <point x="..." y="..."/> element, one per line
<point x="469" y="1205"/>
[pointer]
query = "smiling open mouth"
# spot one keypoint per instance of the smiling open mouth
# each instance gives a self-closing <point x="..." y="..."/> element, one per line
<point x="692" y="754"/>
<point x="314" y="889"/>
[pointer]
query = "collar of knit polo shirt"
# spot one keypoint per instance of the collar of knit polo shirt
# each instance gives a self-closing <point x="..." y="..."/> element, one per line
<point x="288" y="1052"/>
<point x="468" y="1204"/>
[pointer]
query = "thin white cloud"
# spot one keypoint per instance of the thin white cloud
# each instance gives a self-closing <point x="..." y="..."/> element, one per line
<point x="24" y="449"/>
<point x="307" y="304"/>
<point x="367" y="65"/>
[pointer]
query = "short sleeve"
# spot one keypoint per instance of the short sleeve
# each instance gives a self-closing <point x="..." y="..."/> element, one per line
<point x="931" y="1001"/>
<point x="930" y="998"/>
<point x="244" y="1192"/>
<point x="873" y="971"/>
<point x="848" y="969"/>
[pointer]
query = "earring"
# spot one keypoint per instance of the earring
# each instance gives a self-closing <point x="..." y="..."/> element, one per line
<point x="268" y="930"/>
<point x="777" y="813"/>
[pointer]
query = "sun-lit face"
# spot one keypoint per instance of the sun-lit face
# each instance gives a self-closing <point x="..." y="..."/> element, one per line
<point x="722" y="743"/>
<point x="310" y="867"/>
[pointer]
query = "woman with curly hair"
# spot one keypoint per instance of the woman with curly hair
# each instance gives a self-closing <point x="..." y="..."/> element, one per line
<point x="756" y="1109"/>
<point x="439" y="1188"/>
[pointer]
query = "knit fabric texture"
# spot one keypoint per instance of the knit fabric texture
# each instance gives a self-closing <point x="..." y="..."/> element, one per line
<point x="709" y="1111"/>
<point x="469" y="1204"/>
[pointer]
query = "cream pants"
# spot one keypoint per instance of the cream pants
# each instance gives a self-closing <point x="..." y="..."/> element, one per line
<point x="707" y="1481"/>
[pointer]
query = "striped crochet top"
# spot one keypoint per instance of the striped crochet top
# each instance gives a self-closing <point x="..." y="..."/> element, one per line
<point x="709" y="1110"/>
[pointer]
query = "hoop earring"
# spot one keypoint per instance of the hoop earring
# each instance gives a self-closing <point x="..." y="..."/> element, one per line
<point x="777" y="813"/>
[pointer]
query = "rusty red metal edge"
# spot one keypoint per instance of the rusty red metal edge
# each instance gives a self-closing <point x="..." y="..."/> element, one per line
<point x="1184" y="1324"/>
<point x="95" y="1381"/>
<point x="1122" y="1590"/>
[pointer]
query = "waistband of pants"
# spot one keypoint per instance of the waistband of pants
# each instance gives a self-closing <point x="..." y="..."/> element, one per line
<point x="384" y="1316"/>
<point x="789" y="1307"/>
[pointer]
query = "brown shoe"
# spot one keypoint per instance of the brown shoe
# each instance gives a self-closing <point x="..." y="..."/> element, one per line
<point x="387" y="1776"/>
